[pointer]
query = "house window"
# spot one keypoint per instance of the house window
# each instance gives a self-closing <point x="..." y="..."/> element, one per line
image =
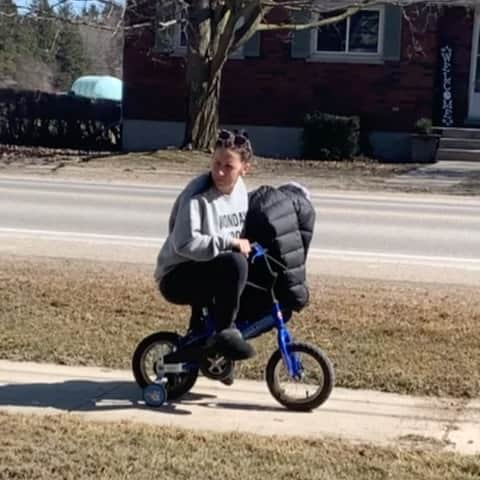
<point x="180" y="39"/>
<point x="360" y="34"/>
<point x="174" y="39"/>
<point x="182" y="35"/>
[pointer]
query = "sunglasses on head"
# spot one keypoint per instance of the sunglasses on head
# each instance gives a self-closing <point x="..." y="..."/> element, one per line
<point x="226" y="137"/>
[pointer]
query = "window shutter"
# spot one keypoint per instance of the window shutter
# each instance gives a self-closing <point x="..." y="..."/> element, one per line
<point x="302" y="39"/>
<point x="392" y="36"/>
<point x="252" y="47"/>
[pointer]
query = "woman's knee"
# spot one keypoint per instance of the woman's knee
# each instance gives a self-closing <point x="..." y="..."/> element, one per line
<point x="173" y="293"/>
<point x="164" y="288"/>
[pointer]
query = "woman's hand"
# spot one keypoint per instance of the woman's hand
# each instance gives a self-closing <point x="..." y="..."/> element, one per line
<point x="242" y="245"/>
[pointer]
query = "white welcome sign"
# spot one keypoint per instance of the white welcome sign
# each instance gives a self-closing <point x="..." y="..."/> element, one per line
<point x="446" y="55"/>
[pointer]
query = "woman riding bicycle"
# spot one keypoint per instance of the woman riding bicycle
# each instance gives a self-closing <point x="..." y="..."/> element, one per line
<point x="204" y="259"/>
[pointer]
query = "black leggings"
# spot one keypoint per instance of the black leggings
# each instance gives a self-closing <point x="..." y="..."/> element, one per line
<point x="220" y="280"/>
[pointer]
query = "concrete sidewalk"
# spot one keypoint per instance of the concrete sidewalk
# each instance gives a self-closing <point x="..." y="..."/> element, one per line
<point x="443" y="174"/>
<point x="357" y="415"/>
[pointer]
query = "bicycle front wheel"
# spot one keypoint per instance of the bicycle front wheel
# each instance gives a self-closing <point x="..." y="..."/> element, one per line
<point x="313" y="384"/>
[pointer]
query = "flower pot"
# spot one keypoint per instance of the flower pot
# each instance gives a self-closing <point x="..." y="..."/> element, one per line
<point x="424" y="147"/>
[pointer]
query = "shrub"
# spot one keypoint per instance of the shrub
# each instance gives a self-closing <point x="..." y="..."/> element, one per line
<point x="60" y="121"/>
<point x="423" y="126"/>
<point x="330" y="137"/>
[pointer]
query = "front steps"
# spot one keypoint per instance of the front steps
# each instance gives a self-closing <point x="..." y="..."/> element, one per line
<point x="459" y="144"/>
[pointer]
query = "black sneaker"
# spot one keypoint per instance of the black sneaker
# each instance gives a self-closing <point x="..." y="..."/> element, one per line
<point x="228" y="380"/>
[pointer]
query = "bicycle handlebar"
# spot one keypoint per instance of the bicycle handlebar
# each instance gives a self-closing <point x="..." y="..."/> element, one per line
<point x="259" y="251"/>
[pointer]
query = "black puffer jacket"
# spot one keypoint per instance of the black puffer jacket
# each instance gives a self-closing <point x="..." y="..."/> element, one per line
<point x="305" y="212"/>
<point x="281" y="220"/>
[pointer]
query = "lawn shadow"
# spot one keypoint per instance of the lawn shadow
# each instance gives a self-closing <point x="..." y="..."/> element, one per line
<point x="84" y="396"/>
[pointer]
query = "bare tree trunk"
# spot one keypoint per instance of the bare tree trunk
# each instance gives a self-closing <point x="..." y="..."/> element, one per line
<point x="202" y="104"/>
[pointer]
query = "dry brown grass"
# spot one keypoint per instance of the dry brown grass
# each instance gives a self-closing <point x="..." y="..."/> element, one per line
<point x="390" y="336"/>
<point x="156" y="167"/>
<point x="177" y="166"/>
<point x="63" y="447"/>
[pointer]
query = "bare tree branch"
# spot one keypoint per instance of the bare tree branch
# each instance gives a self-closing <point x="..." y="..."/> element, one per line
<point x="321" y="22"/>
<point x="253" y="15"/>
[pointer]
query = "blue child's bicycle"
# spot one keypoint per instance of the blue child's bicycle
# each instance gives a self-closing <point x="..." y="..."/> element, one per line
<point x="299" y="375"/>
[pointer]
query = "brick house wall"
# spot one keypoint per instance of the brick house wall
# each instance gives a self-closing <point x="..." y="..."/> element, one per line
<point x="276" y="89"/>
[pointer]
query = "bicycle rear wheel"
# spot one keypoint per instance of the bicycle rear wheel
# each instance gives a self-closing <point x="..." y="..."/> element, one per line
<point x="148" y="357"/>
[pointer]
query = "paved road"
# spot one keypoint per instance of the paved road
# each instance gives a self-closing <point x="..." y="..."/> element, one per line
<point x="411" y="237"/>
<point x="359" y="415"/>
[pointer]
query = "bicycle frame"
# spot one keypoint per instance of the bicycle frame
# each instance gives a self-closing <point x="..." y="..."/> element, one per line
<point x="284" y="338"/>
<point x="263" y="324"/>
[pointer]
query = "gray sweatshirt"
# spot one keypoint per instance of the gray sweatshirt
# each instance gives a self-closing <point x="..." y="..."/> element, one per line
<point x="202" y="224"/>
